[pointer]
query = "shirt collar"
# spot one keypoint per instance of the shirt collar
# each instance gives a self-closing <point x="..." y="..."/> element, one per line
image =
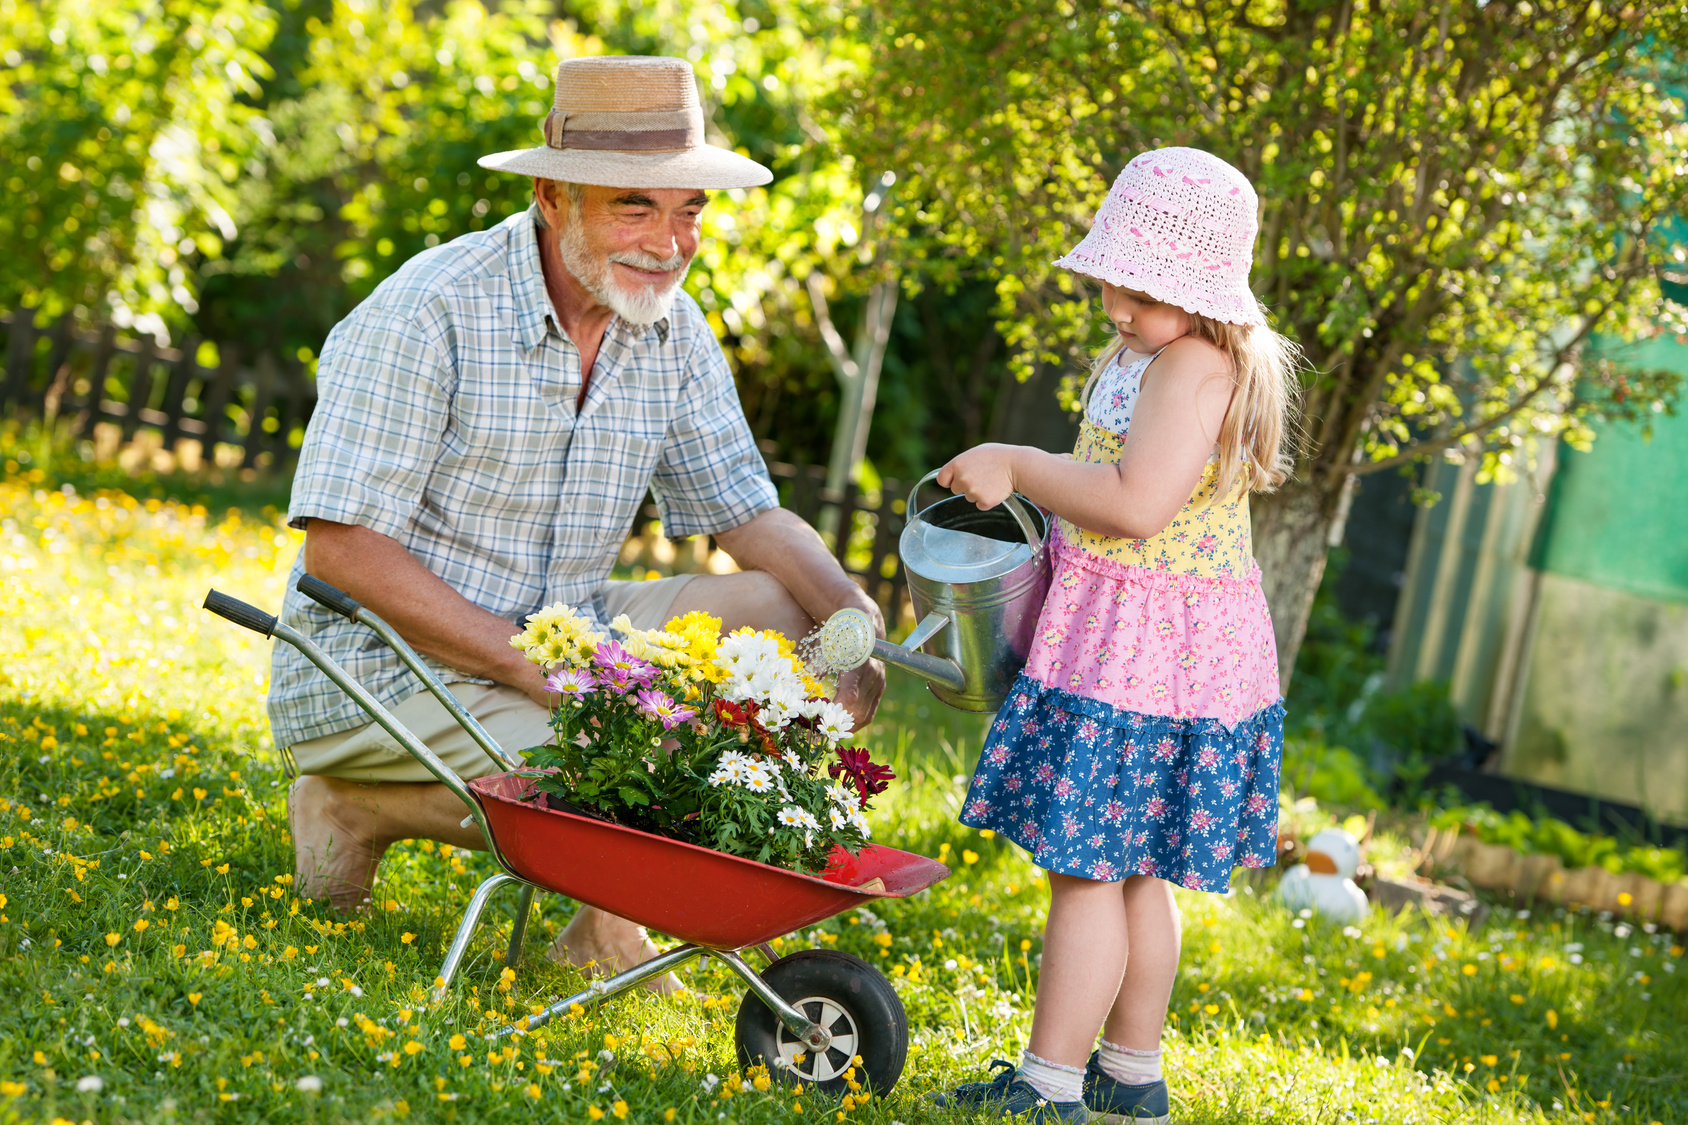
<point x="527" y="287"/>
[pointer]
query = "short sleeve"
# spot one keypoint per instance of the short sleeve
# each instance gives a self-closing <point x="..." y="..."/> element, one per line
<point x="710" y="477"/>
<point x="374" y="437"/>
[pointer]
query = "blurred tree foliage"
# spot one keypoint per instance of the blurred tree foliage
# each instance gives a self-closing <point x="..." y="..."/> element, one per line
<point x="250" y="173"/>
<point x="123" y="131"/>
<point x="1454" y="196"/>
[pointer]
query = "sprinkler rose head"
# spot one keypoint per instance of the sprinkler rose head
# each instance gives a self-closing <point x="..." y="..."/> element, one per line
<point x="843" y="643"/>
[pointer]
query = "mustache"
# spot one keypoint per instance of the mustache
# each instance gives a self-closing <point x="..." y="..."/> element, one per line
<point x="642" y="261"/>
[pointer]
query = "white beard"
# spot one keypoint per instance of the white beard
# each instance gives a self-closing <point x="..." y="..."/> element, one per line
<point x="645" y="304"/>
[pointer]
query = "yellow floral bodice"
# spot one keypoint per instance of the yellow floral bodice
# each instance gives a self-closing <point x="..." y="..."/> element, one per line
<point x="1210" y="540"/>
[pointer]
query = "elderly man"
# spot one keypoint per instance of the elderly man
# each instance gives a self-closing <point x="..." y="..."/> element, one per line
<point x="489" y="421"/>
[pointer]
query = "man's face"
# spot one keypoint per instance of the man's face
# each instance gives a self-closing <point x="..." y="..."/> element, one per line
<point x="629" y="248"/>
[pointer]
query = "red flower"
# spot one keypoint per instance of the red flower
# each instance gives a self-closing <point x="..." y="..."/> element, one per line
<point x="869" y="778"/>
<point x="735" y="714"/>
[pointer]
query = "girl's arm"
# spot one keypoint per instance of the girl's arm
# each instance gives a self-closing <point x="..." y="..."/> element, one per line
<point x="1174" y="426"/>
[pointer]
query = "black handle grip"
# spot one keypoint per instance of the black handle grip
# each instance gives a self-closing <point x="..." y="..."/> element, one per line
<point x="233" y="609"/>
<point x="321" y="592"/>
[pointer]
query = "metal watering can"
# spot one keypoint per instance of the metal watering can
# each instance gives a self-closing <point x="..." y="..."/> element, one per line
<point x="978" y="580"/>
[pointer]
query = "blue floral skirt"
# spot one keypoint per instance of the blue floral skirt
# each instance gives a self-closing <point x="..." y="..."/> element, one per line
<point x="1103" y="794"/>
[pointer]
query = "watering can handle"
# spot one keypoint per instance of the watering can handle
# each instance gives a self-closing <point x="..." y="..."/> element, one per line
<point x="1015" y="505"/>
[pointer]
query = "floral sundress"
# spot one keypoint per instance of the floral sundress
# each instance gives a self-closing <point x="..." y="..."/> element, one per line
<point x="1145" y="733"/>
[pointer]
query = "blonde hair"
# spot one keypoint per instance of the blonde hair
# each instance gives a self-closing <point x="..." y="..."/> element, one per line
<point x="1259" y="437"/>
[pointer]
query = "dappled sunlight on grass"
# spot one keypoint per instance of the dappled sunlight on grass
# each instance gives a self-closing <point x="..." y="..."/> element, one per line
<point x="157" y="960"/>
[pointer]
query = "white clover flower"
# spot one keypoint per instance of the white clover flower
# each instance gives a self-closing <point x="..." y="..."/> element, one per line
<point x="90" y="1084"/>
<point x="308" y="1084"/>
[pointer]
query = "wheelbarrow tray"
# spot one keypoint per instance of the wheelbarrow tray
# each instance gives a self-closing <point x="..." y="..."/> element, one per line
<point x="697" y="895"/>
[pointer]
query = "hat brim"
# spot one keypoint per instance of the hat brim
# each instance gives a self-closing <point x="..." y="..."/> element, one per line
<point x="1241" y="308"/>
<point x="707" y="167"/>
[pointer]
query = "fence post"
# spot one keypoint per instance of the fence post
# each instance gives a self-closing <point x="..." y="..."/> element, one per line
<point x="87" y="406"/>
<point x="219" y="389"/>
<point x="181" y="374"/>
<point x="264" y="376"/>
<point x="63" y="337"/>
<point x="140" y="386"/>
<point x="20" y="356"/>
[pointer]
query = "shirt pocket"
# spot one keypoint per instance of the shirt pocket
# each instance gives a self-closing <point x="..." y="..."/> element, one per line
<point x="608" y="479"/>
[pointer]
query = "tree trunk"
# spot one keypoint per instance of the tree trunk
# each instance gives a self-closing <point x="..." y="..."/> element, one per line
<point x="1292" y="534"/>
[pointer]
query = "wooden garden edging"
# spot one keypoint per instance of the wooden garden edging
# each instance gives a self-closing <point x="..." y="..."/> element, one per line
<point x="251" y="405"/>
<point x="1496" y="867"/>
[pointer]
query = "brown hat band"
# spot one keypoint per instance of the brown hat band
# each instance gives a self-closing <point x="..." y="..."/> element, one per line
<point x="625" y="132"/>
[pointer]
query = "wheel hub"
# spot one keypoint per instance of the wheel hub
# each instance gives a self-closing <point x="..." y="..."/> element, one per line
<point x="838" y="1040"/>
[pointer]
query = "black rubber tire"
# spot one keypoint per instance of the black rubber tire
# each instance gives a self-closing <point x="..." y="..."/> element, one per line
<point x="857" y="999"/>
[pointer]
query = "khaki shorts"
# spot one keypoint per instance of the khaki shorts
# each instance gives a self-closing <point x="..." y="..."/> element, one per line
<point x="514" y="720"/>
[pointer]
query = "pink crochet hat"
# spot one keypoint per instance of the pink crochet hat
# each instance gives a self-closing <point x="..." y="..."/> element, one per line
<point x="1179" y="225"/>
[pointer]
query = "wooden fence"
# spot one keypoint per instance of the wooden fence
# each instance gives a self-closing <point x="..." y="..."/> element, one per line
<point x="251" y="411"/>
<point x="247" y="410"/>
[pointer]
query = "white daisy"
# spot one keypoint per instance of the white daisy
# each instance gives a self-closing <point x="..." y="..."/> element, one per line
<point x="835" y="722"/>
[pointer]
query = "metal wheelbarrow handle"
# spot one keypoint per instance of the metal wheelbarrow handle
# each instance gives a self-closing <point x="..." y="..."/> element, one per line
<point x="353" y="610"/>
<point x="251" y="617"/>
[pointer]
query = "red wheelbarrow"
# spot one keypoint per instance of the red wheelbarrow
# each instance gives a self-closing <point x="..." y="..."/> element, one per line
<point x="809" y="1017"/>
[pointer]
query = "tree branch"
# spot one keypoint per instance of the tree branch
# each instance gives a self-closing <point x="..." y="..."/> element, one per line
<point x="837" y="352"/>
<point x="1561" y="356"/>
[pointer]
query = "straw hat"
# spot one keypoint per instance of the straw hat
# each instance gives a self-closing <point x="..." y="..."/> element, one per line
<point x="1179" y="225"/>
<point x="629" y="121"/>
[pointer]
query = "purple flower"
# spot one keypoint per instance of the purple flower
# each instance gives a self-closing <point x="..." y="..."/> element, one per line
<point x="571" y="681"/>
<point x="659" y="706"/>
<point x="621" y="669"/>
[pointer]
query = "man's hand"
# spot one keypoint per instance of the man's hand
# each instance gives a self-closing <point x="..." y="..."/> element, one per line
<point x="860" y="691"/>
<point x="984" y="474"/>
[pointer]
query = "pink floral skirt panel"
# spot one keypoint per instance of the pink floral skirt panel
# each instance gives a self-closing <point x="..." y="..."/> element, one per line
<point x="1156" y="642"/>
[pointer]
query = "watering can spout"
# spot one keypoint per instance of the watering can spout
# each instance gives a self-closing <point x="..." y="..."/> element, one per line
<point x="846" y="642"/>
<point x="907" y="656"/>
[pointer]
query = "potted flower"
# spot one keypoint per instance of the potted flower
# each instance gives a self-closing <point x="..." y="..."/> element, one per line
<point x="723" y="742"/>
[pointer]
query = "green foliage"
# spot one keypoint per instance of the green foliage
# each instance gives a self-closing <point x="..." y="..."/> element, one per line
<point x="1545" y="835"/>
<point x="1331" y="775"/>
<point x="1453" y="196"/>
<point x="123" y="132"/>
<point x="1348" y="738"/>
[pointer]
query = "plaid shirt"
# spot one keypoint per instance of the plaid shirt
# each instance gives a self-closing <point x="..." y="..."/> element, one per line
<point x="446" y="420"/>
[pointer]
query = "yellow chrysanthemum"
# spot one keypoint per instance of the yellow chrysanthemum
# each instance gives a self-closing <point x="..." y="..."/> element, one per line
<point x="555" y="635"/>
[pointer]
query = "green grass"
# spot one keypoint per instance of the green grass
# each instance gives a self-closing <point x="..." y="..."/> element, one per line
<point x="149" y="937"/>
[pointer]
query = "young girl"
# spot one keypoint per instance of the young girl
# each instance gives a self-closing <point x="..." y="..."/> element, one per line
<point x="1139" y="748"/>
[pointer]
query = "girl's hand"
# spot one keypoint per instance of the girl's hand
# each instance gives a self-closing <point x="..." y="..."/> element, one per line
<point x="984" y="474"/>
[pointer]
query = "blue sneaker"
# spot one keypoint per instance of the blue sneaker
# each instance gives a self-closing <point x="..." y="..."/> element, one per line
<point x="1112" y="1102"/>
<point x="1009" y="1095"/>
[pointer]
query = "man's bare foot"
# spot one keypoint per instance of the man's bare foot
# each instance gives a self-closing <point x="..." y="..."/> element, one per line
<point x="334" y="850"/>
<point x="603" y="944"/>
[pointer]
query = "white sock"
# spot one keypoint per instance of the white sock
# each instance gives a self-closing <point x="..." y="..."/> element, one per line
<point x="1134" y="1068"/>
<point x="1056" y="1082"/>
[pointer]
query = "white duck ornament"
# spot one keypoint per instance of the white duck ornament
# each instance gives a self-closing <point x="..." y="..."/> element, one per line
<point x="1324" y="880"/>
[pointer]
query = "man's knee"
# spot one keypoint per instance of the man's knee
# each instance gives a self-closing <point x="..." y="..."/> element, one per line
<point x="752" y="598"/>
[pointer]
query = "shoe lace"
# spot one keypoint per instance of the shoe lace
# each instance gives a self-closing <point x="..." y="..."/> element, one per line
<point x="1004" y="1075"/>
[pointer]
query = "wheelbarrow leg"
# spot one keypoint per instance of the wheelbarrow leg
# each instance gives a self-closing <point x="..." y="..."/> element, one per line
<point x="805" y="1029"/>
<point x="524" y="907"/>
<point x="466" y="930"/>
<point x="596" y="992"/>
